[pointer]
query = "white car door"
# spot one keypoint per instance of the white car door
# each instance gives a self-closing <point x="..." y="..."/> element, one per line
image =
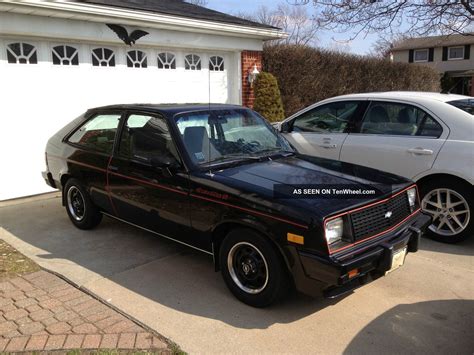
<point x="396" y="137"/>
<point x="321" y="131"/>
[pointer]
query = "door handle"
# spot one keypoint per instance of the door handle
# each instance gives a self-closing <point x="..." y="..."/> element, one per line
<point x="113" y="168"/>
<point x="420" y="151"/>
<point x="328" y="146"/>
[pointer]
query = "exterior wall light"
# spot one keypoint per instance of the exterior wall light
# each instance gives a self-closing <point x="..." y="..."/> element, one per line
<point x="253" y="75"/>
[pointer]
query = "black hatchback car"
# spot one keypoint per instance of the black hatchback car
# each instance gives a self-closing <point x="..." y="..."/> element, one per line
<point x="219" y="179"/>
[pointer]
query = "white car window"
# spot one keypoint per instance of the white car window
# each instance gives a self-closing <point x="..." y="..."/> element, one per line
<point x="332" y="117"/>
<point x="399" y="119"/>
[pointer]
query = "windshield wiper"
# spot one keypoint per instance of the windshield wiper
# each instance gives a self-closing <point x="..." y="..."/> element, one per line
<point x="276" y="150"/>
<point x="231" y="158"/>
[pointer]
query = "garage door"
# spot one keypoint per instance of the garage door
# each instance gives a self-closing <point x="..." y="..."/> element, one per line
<point x="44" y="85"/>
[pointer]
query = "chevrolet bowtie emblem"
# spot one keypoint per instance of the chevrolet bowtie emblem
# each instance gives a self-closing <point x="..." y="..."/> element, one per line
<point x="388" y="214"/>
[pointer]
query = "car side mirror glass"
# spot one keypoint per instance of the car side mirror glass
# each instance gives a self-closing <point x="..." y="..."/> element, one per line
<point x="163" y="162"/>
<point x="285" y="127"/>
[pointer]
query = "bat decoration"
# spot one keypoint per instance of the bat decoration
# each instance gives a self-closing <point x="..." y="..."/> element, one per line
<point x="123" y="34"/>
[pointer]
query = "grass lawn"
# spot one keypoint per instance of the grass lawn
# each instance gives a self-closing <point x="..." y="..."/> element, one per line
<point x="13" y="263"/>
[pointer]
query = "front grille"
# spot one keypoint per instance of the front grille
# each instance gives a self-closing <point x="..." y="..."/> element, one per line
<point x="372" y="220"/>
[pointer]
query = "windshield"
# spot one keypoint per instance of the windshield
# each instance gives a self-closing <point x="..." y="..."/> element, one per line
<point x="465" y="105"/>
<point x="229" y="134"/>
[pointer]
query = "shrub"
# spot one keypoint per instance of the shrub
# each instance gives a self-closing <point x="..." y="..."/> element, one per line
<point x="267" y="98"/>
<point x="307" y="74"/>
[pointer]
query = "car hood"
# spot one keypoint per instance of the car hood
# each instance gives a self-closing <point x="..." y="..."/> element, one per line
<point x="257" y="181"/>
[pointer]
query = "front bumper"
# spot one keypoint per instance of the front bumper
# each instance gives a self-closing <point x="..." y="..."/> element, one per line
<point x="370" y="260"/>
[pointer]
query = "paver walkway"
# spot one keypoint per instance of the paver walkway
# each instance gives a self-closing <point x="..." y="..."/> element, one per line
<point x="40" y="311"/>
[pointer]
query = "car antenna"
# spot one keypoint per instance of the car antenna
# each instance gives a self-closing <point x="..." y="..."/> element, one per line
<point x="208" y="119"/>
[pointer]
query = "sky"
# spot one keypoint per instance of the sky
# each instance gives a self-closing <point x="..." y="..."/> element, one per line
<point x="326" y="39"/>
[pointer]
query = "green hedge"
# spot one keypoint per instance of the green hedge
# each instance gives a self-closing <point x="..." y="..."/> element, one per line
<point x="307" y="74"/>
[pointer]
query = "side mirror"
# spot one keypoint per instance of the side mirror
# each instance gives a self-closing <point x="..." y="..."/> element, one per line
<point x="164" y="163"/>
<point x="285" y="127"/>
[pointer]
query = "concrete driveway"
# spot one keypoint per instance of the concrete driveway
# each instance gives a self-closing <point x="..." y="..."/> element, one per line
<point x="425" y="307"/>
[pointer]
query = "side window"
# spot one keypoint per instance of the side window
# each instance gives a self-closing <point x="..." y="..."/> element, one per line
<point x="429" y="128"/>
<point x="145" y="137"/>
<point x="332" y="117"/>
<point x="98" y="133"/>
<point x="399" y="119"/>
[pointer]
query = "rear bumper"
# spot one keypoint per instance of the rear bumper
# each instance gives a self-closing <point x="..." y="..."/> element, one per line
<point x="367" y="262"/>
<point x="48" y="178"/>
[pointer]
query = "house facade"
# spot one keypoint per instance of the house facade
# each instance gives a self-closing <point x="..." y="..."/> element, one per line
<point x="452" y="56"/>
<point x="57" y="59"/>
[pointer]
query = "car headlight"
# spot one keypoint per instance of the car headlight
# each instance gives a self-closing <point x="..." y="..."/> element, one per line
<point x="411" y="193"/>
<point x="333" y="230"/>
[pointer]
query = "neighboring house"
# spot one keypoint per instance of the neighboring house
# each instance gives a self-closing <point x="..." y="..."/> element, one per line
<point x="451" y="55"/>
<point x="57" y="59"/>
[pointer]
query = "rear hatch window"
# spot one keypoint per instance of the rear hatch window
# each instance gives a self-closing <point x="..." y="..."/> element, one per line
<point x="465" y="105"/>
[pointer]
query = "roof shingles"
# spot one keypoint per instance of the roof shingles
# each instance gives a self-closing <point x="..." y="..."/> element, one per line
<point x="435" y="41"/>
<point x="178" y="8"/>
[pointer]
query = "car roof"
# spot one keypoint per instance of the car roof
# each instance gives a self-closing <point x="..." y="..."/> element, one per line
<point x="168" y="109"/>
<point x="411" y="95"/>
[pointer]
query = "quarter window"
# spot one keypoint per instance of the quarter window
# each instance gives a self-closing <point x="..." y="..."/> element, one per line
<point x="65" y="55"/>
<point x="21" y="53"/>
<point x="103" y="57"/>
<point x="332" y="117"/>
<point x="421" y="55"/>
<point x="98" y="133"/>
<point x="136" y="59"/>
<point x="455" y="53"/>
<point x="192" y="62"/>
<point x="399" y="119"/>
<point x="166" y="60"/>
<point x="145" y="137"/>
<point x="216" y="63"/>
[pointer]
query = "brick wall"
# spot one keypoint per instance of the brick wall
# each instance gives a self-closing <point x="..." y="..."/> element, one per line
<point x="248" y="60"/>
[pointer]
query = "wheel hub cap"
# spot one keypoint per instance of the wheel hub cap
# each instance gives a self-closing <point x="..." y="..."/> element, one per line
<point x="449" y="209"/>
<point x="247" y="267"/>
<point x="75" y="203"/>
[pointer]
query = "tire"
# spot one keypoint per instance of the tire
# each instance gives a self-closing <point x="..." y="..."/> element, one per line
<point x="450" y="224"/>
<point x="80" y="209"/>
<point x="253" y="268"/>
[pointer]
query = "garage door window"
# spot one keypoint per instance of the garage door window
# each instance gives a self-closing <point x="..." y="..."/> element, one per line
<point x="103" y="57"/>
<point x="216" y="63"/>
<point x="65" y="55"/>
<point x="21" y="53"/>
<point x="399" y="119"/>
<point x="166" y="60"/>
<point x="136" y="59"/>
<point x="98" y="133"/>
<point x="192" y="62"/>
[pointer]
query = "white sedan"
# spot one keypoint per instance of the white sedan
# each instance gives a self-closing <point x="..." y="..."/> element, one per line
<point x="427" y="137"/>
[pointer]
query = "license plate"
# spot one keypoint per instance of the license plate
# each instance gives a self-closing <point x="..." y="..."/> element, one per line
<point x="398" y="258"/>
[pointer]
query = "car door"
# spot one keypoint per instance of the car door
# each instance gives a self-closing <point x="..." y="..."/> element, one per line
<point x="321" y="131"/>
<point x="144" y="192"/>
<point x="91" y="148"/>
<point x="397" y="137"/>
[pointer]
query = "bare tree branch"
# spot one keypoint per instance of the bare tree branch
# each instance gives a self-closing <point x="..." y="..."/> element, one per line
<point x="295" y="21"/>
<point x="391" y="17"/>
